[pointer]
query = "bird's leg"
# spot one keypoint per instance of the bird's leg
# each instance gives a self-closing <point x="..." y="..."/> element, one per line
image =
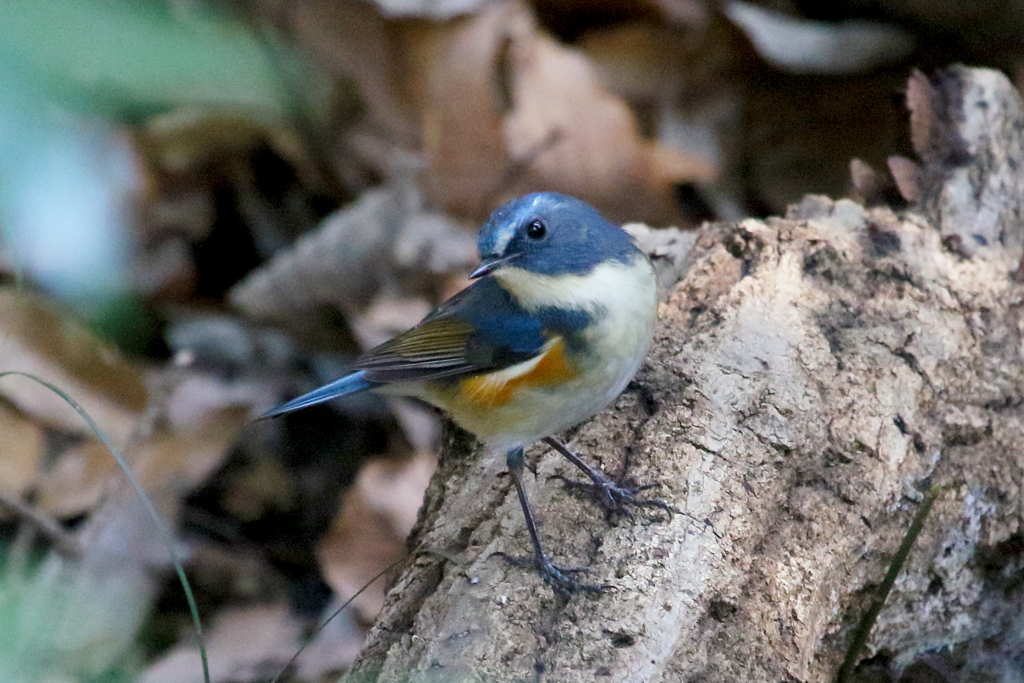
<point x="555" y="576"/>
<point x="614" y="498"/>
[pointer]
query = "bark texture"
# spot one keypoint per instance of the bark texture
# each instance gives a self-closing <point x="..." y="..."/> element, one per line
<point x="810" y="377"/>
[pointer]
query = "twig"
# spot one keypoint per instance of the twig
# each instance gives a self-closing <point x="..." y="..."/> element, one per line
<point x="64" y="542"/>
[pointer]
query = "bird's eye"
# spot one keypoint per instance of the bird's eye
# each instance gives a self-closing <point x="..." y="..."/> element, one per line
<point x="536" y="230"/>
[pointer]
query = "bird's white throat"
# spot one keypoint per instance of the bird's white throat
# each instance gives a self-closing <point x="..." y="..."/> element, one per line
<point x="611" y="286"/>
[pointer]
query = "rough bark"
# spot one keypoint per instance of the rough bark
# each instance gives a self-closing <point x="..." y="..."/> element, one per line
<point x="810" y="377"/>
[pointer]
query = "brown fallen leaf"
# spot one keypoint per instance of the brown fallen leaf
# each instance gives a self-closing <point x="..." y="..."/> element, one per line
<point x="21" y="448"/>
<point x="866" y="181"/>
<point x="924" y="123"/>
<point x="452" y="75"/>
<point x="253" y="643"/>
<point x="377" y="513"/>
<point x="638" y="60"/>
<point x="599" y="155"/>
<point x="243" y="644"/>
<point x="39" y="338"/>
<point x="878" y="188"/>
<point x="507" y="109"/>
<point x="174" y="460"/>
<point x="907" y="175"/>
<point x="189" y="138"/>
<point x="383" y="242"/>
<point x="354" y="41"/>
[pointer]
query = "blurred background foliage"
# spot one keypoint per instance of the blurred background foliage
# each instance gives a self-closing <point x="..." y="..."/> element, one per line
<point x="209" y="207"/>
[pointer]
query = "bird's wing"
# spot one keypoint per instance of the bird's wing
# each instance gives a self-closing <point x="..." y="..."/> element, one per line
<point x="480" y="329"/>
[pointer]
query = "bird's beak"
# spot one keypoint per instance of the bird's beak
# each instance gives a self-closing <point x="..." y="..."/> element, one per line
<point x="489" y="265"/>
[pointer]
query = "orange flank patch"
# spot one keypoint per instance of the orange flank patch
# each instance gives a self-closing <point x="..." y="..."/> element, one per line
<point x="498" y="388"/>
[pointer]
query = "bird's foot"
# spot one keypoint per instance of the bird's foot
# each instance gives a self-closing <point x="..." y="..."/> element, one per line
<point x="617" y="499"/>
<point x="560" y="578"/>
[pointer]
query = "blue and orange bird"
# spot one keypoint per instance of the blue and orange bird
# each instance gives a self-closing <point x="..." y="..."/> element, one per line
<point x="556" y="324"/>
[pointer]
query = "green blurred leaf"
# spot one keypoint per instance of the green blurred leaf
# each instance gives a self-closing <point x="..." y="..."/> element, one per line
<point x="136" y="58"/>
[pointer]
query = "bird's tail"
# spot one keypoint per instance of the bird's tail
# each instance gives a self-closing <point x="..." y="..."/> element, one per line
<point x="349" y="384"/>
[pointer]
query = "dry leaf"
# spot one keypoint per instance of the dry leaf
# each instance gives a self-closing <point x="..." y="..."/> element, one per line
<point x="176" y="460"/>
<point x="243" y="644"/>
<point x="38" y="338"/>
<point x="419" y="423"/>
<point x="920" y="101"/>
<point x="21" y="447"/>
<point x="384" y="241"/>
<point x="453" y="75"/>
<point x="264" y="484"/>
<point x="186" y="139"/>
<point x="198" y="397"/>
<point x="907" y="175"/>
<point x="354" y="41"/>
<point x="878" y="188"/>
<point x="253" y="643"/>
<point x="681" y="82"/>
<point x="648" y="63"/>
<point x="377" y="513"/>
<point x="866" y="181"/>
<point x="595" y="151"/>
<point x="507" y="109"/>
<point x="805" y="46"/>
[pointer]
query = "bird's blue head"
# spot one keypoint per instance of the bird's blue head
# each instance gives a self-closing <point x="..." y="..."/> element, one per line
<point x="551" y="234"/>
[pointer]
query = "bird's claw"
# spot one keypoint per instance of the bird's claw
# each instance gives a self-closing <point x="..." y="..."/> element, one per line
<point x="558" y="577"/>
<point x="615" y="499"/>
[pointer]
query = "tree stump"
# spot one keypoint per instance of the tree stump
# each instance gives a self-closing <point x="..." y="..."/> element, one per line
<point x="812" y="377"/>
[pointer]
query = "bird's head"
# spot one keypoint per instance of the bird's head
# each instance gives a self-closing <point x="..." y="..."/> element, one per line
<point x="550" y="234"/>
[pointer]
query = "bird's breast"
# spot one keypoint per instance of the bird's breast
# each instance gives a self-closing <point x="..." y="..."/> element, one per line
<point x="578" y="372"/>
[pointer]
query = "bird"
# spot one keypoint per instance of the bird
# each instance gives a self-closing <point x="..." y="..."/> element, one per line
<point x="557" y="320"/>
